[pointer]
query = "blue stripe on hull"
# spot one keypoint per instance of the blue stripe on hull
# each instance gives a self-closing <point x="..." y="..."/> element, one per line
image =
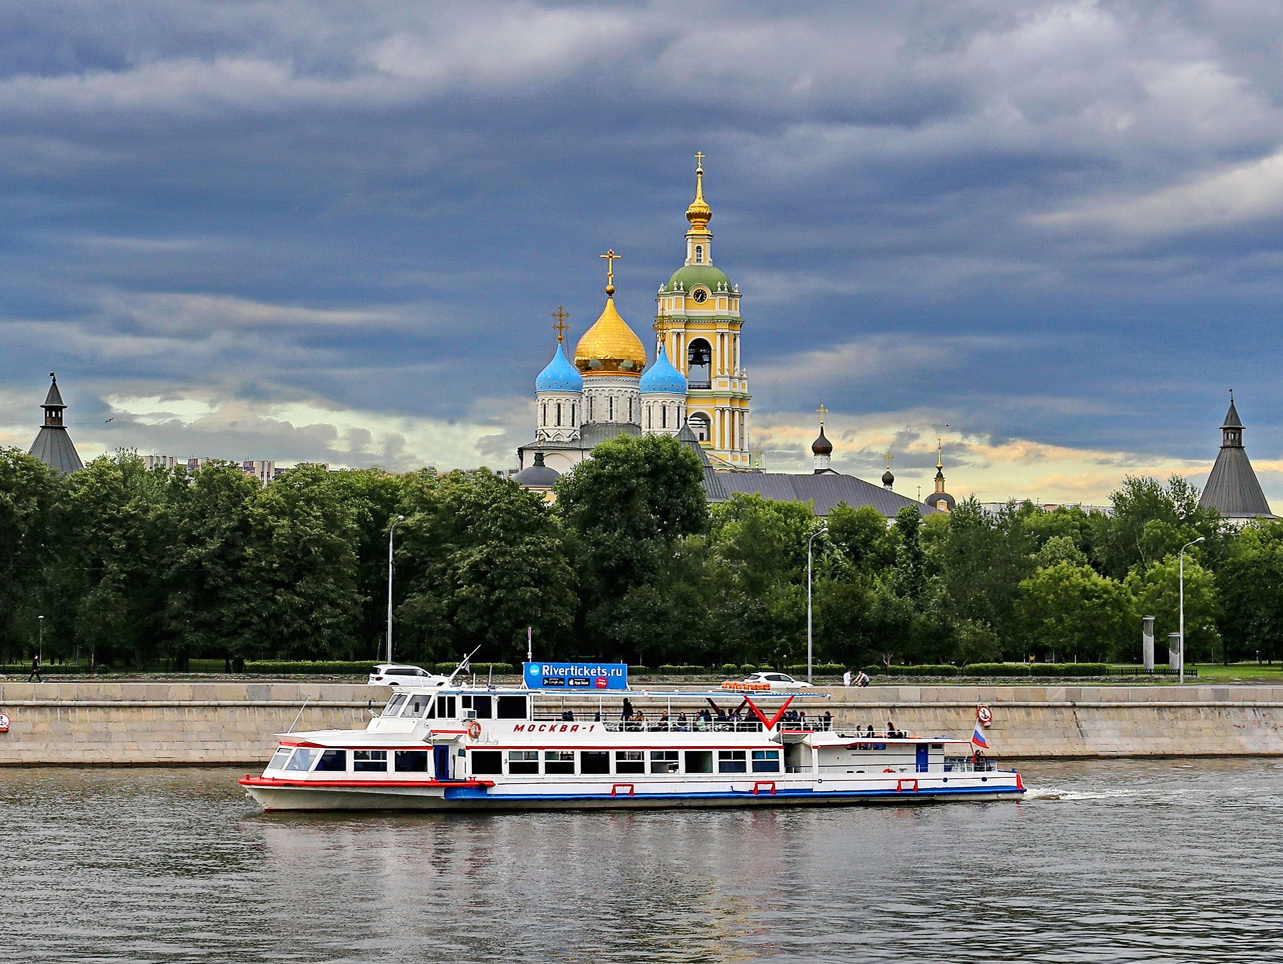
<point x="462" y="794"/>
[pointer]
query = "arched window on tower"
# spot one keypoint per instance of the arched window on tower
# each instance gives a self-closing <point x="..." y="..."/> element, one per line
<point x="699" y="362"/>
<point x="699" y="424"/>
<point x="559" y="414"/>
<point x="699" y="254"/>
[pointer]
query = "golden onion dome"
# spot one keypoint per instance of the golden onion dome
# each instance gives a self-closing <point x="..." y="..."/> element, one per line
<point x="699" y="213"/>
<point x="610" y="347"/>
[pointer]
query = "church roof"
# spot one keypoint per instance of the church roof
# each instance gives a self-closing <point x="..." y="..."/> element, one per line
<point x="559" y="375"/>
<point x="824" y="491"/>
<point x="537" y="476"/>
<point x="54" y="398"/>
<point x="610" y="347"/>
<point x="692" y="275"/>
<point x="662" y="377"/>
<point x="1232" y="488"/>
<point x="54" y="448"/>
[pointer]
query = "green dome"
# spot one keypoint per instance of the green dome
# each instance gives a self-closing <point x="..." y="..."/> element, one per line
<point x="684" y="279"/>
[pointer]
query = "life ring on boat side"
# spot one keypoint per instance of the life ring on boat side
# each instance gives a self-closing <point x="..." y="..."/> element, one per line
<point x="984" y="715"/>
<point x="888" y="770"/>
<point x="474" y="729"/>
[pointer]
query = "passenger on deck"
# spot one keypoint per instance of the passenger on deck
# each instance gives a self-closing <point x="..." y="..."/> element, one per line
<point x="828" y="720"/>
<point x="891" y="730"/>
<point x="568" y="715"/>
<point x="627" y="712"/>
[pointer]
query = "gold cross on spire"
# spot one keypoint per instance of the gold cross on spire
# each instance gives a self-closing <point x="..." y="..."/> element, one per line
<point x="699" y="159"/>
<point x="887" y="456"/>
<point x="611" y="258"/>
<point x="560" y="327"/>
<point x="822" y="411"/>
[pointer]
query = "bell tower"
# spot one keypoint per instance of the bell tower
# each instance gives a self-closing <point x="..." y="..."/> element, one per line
<point x="697" y="323"/>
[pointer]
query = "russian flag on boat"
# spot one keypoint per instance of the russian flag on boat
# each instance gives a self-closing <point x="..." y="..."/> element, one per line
<point x="978" y="738"/>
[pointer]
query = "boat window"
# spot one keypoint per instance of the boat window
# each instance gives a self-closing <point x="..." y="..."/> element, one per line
<point x="483" y="706"/>
<point x="732" y="761"/>
<point x="279" y="757"/>
<point x="663" y="761"/>
<point x="394" y="705"/>
<point x="333" y="760"/>
<point x="445" y="708"/>
<point x="512" y="708"/>
<point x="630" y="761"/>
<point x="699" y="761"/>
<point x="302" y="759"/>
<point x="594" y="761"/>
<point x="416" y="704"/>
<point x="766" y="761"/>
<point x="370" y="761"/>
<point x="410" y="761"/>
<point x="523" y="761"/>
<point x="487" y="761"/>
<point x="559" y="761"/>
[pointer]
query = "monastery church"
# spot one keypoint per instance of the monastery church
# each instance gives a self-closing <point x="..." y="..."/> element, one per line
<point x="695" y="389"/>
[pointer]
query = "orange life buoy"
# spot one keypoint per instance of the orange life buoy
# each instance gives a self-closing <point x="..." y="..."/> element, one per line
<point x="474" y="729"/>
<point x="4" y="723"/>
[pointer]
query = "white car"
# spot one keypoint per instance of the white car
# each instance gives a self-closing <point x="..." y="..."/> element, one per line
<point x="399" y="674"/>
<point x="778" y="681"/>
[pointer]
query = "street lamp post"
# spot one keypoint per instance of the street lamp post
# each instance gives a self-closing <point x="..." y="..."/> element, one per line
<point x="1181" y="592"/>
<point x="399" y="519"/>
<point x="809" y="636"/>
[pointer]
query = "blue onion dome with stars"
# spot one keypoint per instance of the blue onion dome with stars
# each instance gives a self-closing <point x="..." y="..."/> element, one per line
<point x="559" y="375"/>
<point x="662" y="377"/>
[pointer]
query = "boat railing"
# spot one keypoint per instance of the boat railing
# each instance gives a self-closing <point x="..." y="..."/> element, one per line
<point x="966" y="764"/>
<point x="699" y="725"/>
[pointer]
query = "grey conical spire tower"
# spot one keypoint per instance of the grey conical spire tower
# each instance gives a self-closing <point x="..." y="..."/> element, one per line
<point x="1232" y="489"/>
<point x="53" y="446"/>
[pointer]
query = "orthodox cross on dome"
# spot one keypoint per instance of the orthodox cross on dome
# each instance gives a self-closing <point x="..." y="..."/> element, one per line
<point x="560" y="327"/>
<point x="611" y="258"/>
<point x="822" y="411"/>
<point x="699" y="160"/>
<point x="887" y="456"/>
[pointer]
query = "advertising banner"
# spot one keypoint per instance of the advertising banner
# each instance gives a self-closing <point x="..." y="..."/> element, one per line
<point x="581" y="676"/>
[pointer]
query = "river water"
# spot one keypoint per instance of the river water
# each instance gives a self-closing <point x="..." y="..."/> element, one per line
<point x="1178" y="861"/>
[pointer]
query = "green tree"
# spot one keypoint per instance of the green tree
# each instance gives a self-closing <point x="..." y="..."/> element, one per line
<point x="480" y="560"/>
<point x="1071" y="612"/>
<point x="211" y="608"/>
<point x="628" y="508"/>
<point x="981" y="560"/>
<point x="1251" y="603"/>
<point x="1150" y="522"/>
<point x="1157" y="593"/>
<point x="114" y="542"/>
<point x="29" y="498"/>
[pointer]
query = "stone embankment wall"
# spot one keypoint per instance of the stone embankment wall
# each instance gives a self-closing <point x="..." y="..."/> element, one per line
<point x="96" y="722"/>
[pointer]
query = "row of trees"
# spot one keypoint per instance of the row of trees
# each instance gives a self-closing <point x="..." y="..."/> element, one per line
<point x="631" y="563"/>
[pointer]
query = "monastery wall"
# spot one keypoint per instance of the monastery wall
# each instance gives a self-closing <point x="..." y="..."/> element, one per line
<point x="95" y="722"/>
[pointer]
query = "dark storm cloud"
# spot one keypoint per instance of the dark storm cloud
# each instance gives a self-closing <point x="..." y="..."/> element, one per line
<point x="1053" y="221"/>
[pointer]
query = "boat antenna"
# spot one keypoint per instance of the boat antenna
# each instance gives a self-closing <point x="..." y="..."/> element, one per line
<point x="298" y="714"/>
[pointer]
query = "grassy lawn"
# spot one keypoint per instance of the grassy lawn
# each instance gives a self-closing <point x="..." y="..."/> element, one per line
<point x="1240" y="673"/>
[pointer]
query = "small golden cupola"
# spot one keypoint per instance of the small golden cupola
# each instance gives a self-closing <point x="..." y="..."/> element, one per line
<point x="699" y="213"/>
<point x="610" y="347"/>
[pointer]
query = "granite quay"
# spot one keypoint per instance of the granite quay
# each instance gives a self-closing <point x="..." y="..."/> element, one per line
<point x="198" y="724"/>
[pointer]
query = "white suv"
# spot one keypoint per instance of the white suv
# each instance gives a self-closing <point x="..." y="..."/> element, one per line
<point x="778" y="681"/>
<point x="398" y="674"/>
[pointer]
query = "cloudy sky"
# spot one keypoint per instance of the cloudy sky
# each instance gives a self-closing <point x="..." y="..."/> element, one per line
<point x="1046" y="232"/>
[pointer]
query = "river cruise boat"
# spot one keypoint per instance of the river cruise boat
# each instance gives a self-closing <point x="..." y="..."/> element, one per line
<point x="493" y="748"/>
